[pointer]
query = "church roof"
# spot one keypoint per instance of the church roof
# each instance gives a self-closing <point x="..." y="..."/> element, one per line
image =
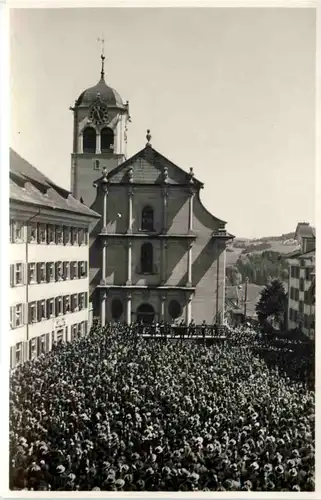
<point x="148" y="166"/>
<point x="107" y="94"/>
<point x="29" y="185"/>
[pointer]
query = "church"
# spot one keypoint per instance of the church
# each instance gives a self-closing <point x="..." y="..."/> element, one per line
<point x="156" y="253"/>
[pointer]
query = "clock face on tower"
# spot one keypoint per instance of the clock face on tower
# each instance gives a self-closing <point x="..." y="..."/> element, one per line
<point x="98" y="113"/>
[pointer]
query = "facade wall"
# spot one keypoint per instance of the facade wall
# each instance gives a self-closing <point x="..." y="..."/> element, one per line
<point x="301" y="312"/>
<point x="49" y="282"/>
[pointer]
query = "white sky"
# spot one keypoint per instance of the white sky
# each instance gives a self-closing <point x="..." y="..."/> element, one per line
<point x="229" y="92"/>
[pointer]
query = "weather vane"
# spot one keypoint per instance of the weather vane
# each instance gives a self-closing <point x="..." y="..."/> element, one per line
<point x="102" y="40"/>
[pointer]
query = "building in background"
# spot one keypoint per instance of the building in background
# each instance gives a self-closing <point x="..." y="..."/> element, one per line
<point x="301" y="302"/>
<point x="49" y="253"/>
<point x="156" y="253"/>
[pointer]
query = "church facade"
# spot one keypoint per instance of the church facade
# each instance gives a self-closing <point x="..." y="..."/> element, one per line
<point x="156" y="253"/>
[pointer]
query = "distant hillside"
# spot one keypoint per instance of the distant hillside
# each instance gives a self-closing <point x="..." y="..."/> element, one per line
<point x="283" y="244"/>
<point x="260" y="259"/>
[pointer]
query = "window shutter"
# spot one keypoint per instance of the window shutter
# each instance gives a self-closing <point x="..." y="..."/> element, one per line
<point x="86" y="300"/>
<point x="79" y="269"/>
<point x="30" y="350"/>
<point x="38" y="344"/>
<point x="47" y="272"/>
<point x="86" y="268"/>
<point x="12" y="356"/>
<point x="11" y="275"/>
<point x="11" y="317"/>
<point x="47" y="341"/>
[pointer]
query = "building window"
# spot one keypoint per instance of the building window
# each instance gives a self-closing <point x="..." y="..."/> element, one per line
<point x="74" y="236"/>
<point x="67" y="235"/>
<point x="42" y="233"/>
<point x="66" y="304"/>
<point x="81" y="236"/>
<point x="19" y="352"/>
<point x="106" y="139"/>
<point x="50" y="308"/>
<point x="41" y="310"/>
<point x="18" y="315"/>
<point x="33" y="349"/>
<point x="32" y="272"/>
<point x="117" y="309"/>
<point x="306" y="321"/>
<point x="59" y="306"/>
<point x="74" y="302"/>
<point x="59" y="271"/>
<point x="18" y="274"/>
<point x="146" y="258"/>
<point x="82" y="269"/>
<point x="50" y="271"/>
<point x="174" y="309"/>
<point x="74" y="270"/>
<point x="291" y="314"/>
<point x="73" y="332"/>
<point x="308" y="274"/>
<point x="81" y="301"/>
<point x="42" y="344"/>
<point x="66" y="267"/>
<point x="301" y="285"/>
<point x="296" y="294"/>
<point x="96" y="164"/>
<point x="51" y="234"/>
<point x="89" y="140"/>
<point x="301" y="306"/>
<point x="59" y="235"/>
<point x="32" y="312"/>
<point x="41" y="272"/>
<point x="18" y="232"/>
<point x="33" y="234"/>
<point x="147" y="219"/>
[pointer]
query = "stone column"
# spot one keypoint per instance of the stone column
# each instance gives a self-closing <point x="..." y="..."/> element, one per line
<point x="189" y="308"/>
<point x="165" y="207"/>
<point x="129" y="262"/>
<point x="103" y="302"/>
<point x="130" y="210"/>
<point x="104" y="261"/>
<point x="105" y="210"/>
<point x="163" y="304"/>
<point x="190" y="211"/>
<point x="163" y="261"/>
<point x="98" y="144"/>
<point x="189" y="264"/>
<point x="129" y="308"/>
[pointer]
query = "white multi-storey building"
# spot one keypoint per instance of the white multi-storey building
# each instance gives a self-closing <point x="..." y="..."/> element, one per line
<point x="301" y="306"/>
<point x="49" y="255"/>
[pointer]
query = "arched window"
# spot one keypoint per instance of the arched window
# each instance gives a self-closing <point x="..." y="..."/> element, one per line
<point x="147" y="219"/>
<point x="174" y="309"/>
<point x="146" y="258"/>
<point x="89" y="140"/>
<point x="145" y="313"/>
<point x="106" y="139"/>
<point x="117" y="309"/>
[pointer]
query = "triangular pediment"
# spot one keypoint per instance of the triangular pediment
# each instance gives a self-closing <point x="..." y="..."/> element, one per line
<point x="150" y="167"/>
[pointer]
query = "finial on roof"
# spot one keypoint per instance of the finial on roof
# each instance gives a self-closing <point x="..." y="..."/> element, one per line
<point x="148" y="137"/>
<point x="102" y="73"/>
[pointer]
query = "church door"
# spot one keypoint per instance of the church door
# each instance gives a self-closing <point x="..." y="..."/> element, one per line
<point x="145" y="313"/>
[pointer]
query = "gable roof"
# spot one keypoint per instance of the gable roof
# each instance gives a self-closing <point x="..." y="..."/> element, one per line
<point x="304" y="230"/>
<point x="28" y="185"/>
<point x="148" y="166"/>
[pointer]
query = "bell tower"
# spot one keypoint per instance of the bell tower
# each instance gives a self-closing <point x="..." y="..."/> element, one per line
<point x="99" y="136"/>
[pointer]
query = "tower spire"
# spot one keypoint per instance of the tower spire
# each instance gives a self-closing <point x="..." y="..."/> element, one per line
<point x="102" y="73"/>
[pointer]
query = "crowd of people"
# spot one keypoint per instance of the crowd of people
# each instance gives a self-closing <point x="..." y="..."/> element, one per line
<point x="115" y="411"/>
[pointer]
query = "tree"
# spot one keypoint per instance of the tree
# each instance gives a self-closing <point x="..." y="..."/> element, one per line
<point x="272" y="303"/>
